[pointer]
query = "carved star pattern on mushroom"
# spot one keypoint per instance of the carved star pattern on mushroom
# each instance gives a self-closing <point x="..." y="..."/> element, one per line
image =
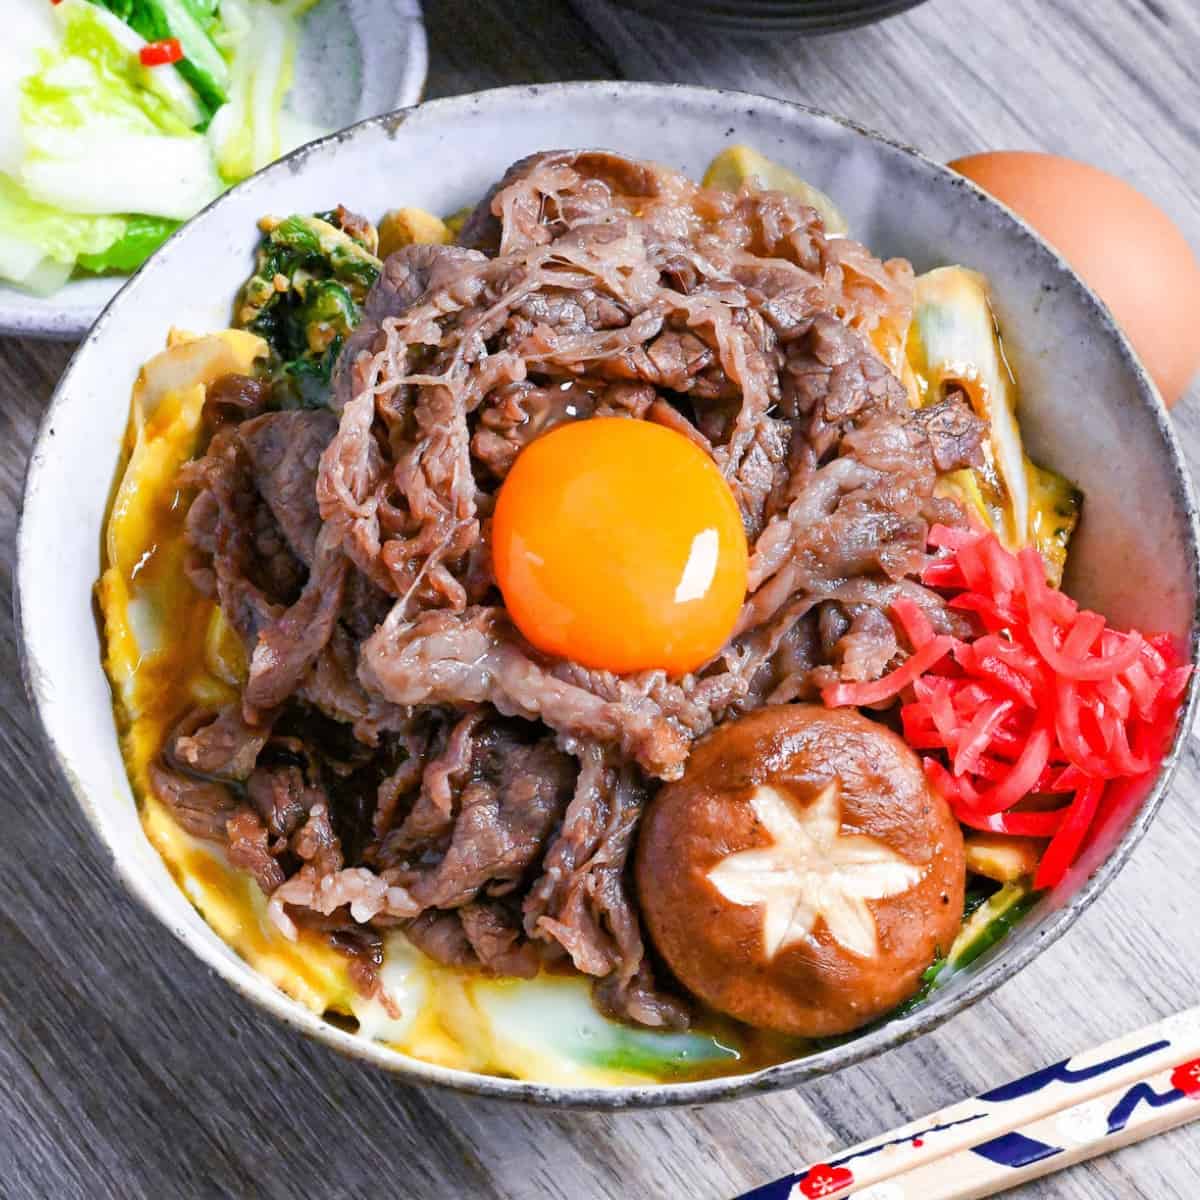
<point x="813" y="871"/>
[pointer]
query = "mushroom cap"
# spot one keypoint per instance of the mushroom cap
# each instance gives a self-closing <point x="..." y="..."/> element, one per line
<point x="802" y="875"/>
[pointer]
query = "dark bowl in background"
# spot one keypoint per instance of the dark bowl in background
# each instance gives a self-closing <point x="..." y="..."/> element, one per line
<point x="771" y="16"/>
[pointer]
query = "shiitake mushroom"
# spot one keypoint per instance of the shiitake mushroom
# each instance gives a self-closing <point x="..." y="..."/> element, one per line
<point x="801" y="875"/>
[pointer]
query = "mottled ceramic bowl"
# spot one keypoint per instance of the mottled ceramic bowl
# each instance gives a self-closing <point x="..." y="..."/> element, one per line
<point x="769" y="18"/>
<point x="1090" y="411"/>
<point x="356" y="58"/>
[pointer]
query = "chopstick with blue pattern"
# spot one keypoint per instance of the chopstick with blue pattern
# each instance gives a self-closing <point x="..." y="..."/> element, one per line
<point x="1119" y="1093"/>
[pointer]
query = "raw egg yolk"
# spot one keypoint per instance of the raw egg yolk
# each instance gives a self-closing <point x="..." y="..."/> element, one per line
<point x="618" y="545"/>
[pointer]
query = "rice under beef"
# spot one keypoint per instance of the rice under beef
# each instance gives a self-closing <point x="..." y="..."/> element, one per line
<point x="400" y="755"/>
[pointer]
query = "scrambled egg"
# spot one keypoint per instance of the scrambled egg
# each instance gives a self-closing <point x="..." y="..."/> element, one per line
<point x="169" y="648"/>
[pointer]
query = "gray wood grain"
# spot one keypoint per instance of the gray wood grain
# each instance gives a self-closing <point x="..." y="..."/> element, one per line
<point x="127" y="1070"/>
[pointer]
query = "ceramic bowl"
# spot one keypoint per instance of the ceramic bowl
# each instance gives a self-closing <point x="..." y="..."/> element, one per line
<point x="769" y="18"/>
<point x="356" y="58"/>
<point x="1134" y="557"/>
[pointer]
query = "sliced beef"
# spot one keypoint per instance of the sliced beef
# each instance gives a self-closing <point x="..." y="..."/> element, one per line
<point x="513" y="797"/>
<point x="476" y="657"/>
<point x="441" y="936"/>
<point x="282" y="796"/>
<point x="401" y="756"/>
<point x="285" y="449"/>
<point x="223" y="746"/>
<point x="201" y="806"/>
<point x="514" y="206"/>
<point x="495" y="934"/>
<point x="406" y="276"/>
<point x="249" y="849"/>
<point x="955" y="434"/>
<point x="233" y="398"/>
<point x="583" y="899"/>
<point x="240" y="556"/>
<point x="287" y="647"/>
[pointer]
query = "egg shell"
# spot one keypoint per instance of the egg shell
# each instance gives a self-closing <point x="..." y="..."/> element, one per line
<point x="1123" y="245"/>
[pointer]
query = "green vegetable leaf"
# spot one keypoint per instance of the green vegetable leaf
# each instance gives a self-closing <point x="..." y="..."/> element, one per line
<point x="305" y="382"/>
<point x="32" y="232"/>
<point x="304" y="298"/>
<point x="95" y="142"/>
<point x="192" y="22"/>
<point x="297" y="233"/>
<point x="143" y="235"/>
<point x="96" y="75"/>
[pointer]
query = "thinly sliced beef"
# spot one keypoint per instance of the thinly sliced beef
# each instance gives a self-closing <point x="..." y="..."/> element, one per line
<point x="475" y="657"/>
<point x="401" y="756"/>
<point x="583" y="900"/>
<point x="495" y="934"/>
<point x="332" y="686"/>
<point x="287" y="648"/>
<point x="285" y="449"/>
<point x="249" y="849"/>
<point x="365" y="896"/>
<point x="202" y="807"/>
<point x="488" y="800"/>
<point x="239" y="547"/>
<point x="282" y="796"/>
<point x="407" y="275"/>
<point x="449" y="754"/>
<point x="505" y="813"/>
<point x="441" y="936"/>
<point x="234" y="397"/>
<point x="515" y="207"/>
<point x="223" y="746"/>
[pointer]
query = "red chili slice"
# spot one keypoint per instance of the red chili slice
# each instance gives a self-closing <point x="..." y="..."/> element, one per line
<point x="161" y="54"/>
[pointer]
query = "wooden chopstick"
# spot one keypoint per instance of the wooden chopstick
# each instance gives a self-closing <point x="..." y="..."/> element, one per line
<point x="1118" y="1093"/>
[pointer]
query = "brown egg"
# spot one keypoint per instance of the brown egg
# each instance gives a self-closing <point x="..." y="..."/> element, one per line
<point x="1123" y="245"/>
<point x="801" y="875"/>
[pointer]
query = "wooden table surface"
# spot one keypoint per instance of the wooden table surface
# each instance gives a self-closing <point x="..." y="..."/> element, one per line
<point x="127" y="1070"/>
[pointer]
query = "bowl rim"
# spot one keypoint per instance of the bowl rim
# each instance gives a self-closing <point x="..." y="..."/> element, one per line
<point x="791" y="1073"/>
